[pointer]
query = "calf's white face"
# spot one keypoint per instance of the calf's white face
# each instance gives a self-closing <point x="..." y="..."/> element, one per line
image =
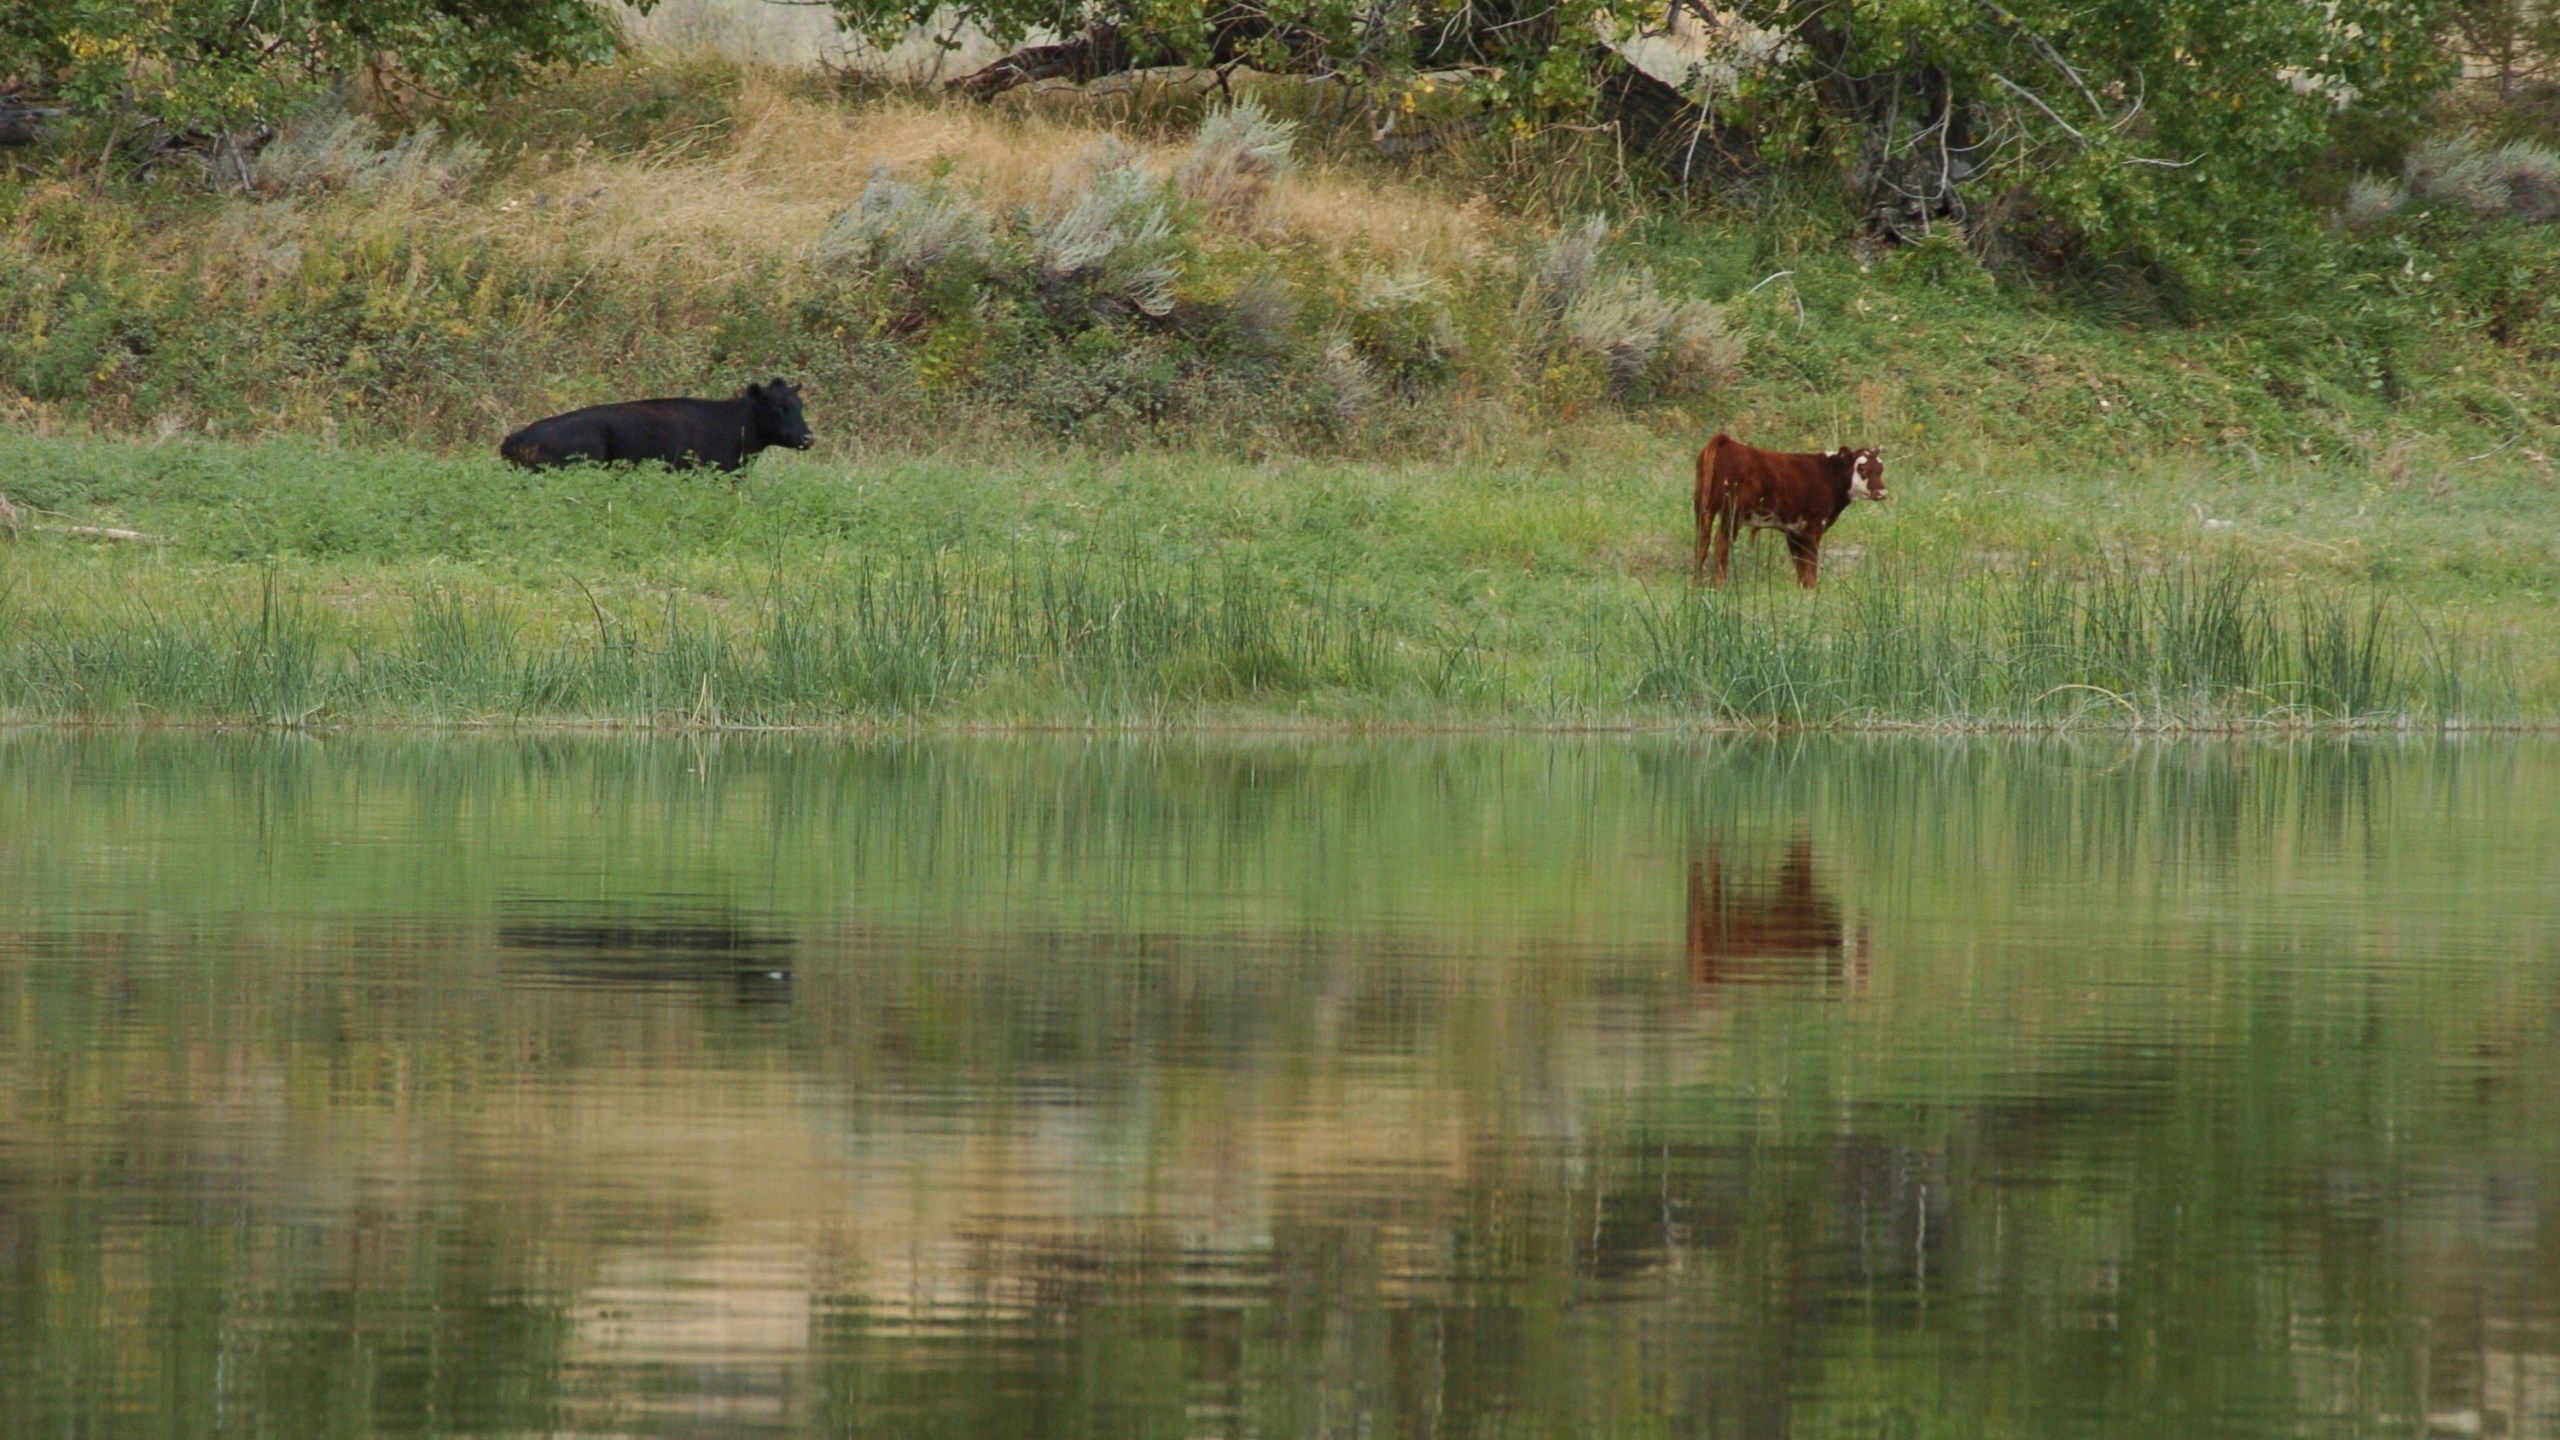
<point x="1866" y="476"/>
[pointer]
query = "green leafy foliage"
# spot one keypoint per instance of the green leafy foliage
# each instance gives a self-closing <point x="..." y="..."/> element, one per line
<point x="2161" y="130"/>
<point x="2128" y="126"/>
<point x="224" y="65"/>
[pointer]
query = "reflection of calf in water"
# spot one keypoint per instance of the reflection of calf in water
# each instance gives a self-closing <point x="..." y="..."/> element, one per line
<point x="1778" y="929"/>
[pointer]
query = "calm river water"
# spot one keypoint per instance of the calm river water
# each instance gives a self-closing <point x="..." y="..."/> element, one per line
<point x="1065" y="1088"/>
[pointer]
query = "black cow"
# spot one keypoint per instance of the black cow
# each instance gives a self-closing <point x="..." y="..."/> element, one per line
<point x="683" y="433"/>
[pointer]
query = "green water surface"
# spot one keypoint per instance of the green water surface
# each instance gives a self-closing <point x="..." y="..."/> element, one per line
<point x="1271" y="1087"/>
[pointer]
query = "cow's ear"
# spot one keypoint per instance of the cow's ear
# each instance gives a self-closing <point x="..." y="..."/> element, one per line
<point x="754" y="391"/>
<point x="778" y="383"/>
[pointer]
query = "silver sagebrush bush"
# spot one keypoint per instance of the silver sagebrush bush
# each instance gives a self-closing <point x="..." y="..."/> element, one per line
<point x="2454" y="172"/>
<point x="2371" y="199"/>
<point x="1623" y="318"/>
<point x="912" y="232"/>
<point x="1355" y="389"/>
<point x="2519" y="180"/>
<point x="1566" y="265"/>
<point x="1111" y="239"/>
<point x="1399" y="321"/>
<point x="331" y="148"/>
<point x="1697" y="342"/>
<point x="2532" y="173"/>
<point x="1232" y="162"/>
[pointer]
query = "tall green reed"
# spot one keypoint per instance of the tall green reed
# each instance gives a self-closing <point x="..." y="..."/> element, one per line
<point x="2202" y="643"/>
<point x="1097" y="640"/>
<point x="1117" y="640"/>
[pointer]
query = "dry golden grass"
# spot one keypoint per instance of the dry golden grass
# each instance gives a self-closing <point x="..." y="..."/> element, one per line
<point x="791" y="164"/>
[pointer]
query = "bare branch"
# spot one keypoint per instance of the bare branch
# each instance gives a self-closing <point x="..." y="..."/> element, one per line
<point x="2023" y="93"/>
<point x="2052" y="56"/>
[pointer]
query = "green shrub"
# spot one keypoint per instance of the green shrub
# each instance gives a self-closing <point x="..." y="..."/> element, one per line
<point x="1400" y="323"/>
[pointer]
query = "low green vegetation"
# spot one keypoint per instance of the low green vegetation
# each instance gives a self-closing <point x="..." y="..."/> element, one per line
<point x="310" y="585"/>
<point x="1209" y="418"/>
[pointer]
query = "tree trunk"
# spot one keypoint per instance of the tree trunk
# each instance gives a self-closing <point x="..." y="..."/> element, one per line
<point x="1097" y="52"/>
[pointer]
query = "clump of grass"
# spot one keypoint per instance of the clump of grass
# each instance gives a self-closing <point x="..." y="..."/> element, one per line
<point x="276" y="663"/>
<point x="1109" y="640"/>
<point x="1112" y="641"/>
<point x="2205" y="644"/>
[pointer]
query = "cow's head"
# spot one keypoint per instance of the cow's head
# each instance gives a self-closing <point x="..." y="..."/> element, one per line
<point x="778" y="414"/>
<point x="1866" y="474"/>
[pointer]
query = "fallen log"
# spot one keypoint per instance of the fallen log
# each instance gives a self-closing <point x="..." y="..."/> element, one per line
<point x="105" y="532"/>
<point x="14" y="522"/>
<point x="1097" y="52"/>
<point x="22" y="123"/>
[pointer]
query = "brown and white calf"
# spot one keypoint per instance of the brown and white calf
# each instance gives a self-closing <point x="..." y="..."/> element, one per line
<point x="1743" y="487"/>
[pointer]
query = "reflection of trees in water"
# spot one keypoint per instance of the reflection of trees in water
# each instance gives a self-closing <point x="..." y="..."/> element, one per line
<point x="1302" y="1180"/>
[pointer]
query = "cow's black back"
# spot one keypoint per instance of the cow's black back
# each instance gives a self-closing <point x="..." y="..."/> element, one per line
<point x="682" y="433"/>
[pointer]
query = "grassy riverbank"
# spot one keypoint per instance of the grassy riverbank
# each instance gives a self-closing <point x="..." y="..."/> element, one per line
<point x="309" y="585"/>
<point x="1343" y="440"/>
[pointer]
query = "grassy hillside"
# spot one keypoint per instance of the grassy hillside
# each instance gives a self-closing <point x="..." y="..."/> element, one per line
<point x="1395" y="441"/>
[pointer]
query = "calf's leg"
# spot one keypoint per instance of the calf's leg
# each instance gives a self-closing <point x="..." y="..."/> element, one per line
<point x="1807" y="550"/>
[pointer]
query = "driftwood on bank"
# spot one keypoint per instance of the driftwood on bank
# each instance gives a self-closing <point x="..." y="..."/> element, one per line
<point x="22" y="123"/>
<point x="1097" y="52"/>
<point x="1651" y="117"/>
<point x="14" y="522"/>
<point x="105" y="532"/>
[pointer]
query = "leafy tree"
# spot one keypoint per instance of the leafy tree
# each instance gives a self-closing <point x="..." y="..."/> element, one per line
<point x="219" y="66"/>
<point x="2166" y="128"/>
<point x="2519" y="40"/>
<point x="2152" y="125"/>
